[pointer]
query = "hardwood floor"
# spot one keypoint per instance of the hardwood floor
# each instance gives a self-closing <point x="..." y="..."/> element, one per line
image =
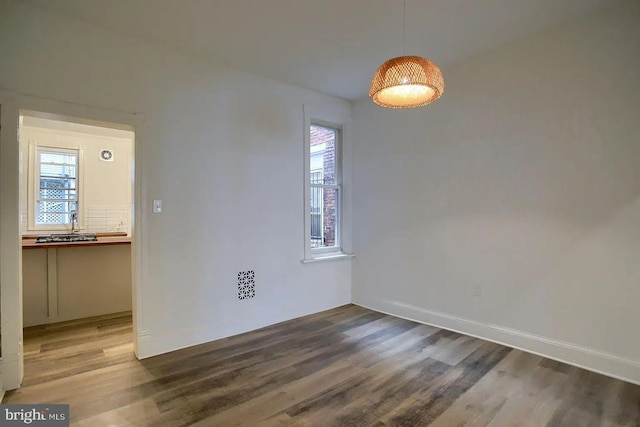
<point x="344" y="367"/>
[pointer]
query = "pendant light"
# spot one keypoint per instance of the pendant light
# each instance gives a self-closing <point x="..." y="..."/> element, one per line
<point x="406" y="81"/>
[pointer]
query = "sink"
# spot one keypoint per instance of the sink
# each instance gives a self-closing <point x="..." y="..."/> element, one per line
<point x="63" y="238"/>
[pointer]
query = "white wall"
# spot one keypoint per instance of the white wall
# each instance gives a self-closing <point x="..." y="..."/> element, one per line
<point x="105" y="190"/>
<point x="522" y="183"/>
<point x="221" y="148"/>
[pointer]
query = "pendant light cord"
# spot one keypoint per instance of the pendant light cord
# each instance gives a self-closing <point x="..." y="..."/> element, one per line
<point x="404" y="26"/>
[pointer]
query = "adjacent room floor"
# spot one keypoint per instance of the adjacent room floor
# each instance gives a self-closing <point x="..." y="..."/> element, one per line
<point x="344" y="367"/>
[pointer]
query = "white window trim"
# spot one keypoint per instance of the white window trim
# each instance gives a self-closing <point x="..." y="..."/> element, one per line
<point x="33" y="188"/>
<point x="343" y="160"/>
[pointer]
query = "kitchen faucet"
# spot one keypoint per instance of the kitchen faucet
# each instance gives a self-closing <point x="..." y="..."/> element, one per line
<point x="74" y="219"/>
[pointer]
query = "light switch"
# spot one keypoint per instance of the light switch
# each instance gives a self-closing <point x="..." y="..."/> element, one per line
<point x="157" y="206"/>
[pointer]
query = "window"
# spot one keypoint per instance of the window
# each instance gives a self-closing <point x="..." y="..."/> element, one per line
<point x="323" y="189"/>
<point x="55" y="199"/>
<point x="325" y="186"/>
<point x="327" y="208"/>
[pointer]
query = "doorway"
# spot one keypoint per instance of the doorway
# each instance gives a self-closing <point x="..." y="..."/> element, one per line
<point x="76" y="189"/>
<point x="38" y="200"/>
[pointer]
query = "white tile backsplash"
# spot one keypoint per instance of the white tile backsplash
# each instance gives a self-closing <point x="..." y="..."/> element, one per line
<point x="100" y="219"/>
<point x="24" y="220"/>
<point x="97" y="219"/>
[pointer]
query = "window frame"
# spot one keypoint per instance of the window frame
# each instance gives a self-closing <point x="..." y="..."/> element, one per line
<point x="319" y="118"/>
<point x="34" y="186"/>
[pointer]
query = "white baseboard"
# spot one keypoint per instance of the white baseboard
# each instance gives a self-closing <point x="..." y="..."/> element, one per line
<point x="583" y="357"/>
<point x="152" y="345"/>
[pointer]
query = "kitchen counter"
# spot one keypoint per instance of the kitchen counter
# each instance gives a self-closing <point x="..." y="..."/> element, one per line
<point x="29" y="242"/>
<point x="107" y="240"/>
<point x="71" y="280"/>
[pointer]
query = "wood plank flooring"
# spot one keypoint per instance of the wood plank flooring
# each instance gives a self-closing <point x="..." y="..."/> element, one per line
<point x="344" y="367"/>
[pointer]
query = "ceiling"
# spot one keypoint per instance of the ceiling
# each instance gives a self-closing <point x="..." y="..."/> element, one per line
<point x="333" y="46"/>
<point x="64" y="124"/>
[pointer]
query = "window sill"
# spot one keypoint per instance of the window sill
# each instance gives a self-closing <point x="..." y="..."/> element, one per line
<point x="331" y="256"/>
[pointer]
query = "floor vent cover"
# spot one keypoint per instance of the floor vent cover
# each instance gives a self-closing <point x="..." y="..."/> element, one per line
<point x="246" y="284"/>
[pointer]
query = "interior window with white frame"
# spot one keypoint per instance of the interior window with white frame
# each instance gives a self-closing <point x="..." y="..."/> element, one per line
<point x="55" y="196"/>
<point x="325" y="187"/>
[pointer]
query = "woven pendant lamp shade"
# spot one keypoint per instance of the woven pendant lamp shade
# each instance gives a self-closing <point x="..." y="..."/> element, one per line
<point x="406" y="82"/>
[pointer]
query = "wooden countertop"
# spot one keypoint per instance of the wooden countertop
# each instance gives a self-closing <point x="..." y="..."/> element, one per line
<point x="29" y="242"/>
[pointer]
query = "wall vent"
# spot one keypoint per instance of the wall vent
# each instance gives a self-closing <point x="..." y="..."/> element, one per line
<point x="246" y="284"/>
<point x="106" y="155"/>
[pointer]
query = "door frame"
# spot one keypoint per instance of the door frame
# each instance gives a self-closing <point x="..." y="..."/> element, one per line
<point x="11" y="103"/>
